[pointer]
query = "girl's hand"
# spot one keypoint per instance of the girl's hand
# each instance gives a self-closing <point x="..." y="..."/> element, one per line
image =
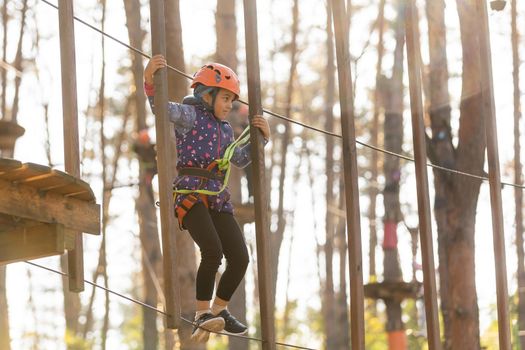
<point x="156" y="62"/>
<point x="261" y="123"/>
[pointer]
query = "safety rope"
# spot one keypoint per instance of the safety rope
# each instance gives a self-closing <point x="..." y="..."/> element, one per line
<point x="223" y="164"/>
<point x="375" y="148"/>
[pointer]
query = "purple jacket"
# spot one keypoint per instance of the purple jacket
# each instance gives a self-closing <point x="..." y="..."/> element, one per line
<point x="202" y="138"/>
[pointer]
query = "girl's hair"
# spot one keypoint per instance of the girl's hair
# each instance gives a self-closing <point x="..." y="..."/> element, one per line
<point x="200" y="90"/>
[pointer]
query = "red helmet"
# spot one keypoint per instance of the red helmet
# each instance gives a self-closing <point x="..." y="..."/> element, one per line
<point x="217" y="75"/>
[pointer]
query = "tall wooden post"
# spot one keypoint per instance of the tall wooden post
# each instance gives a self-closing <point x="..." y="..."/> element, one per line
<point x="165" y="168"/>
<point x="259" y="181"/>
<point x="357" y="320"/>
<point x="491" y="134"/>
<point x="420" y="155"/>
<point x="70" y="120"/>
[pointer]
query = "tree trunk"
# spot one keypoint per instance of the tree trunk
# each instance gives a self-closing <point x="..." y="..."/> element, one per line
<point x="341" y="297"/>
<point x="456" y="196"/>
<point x="277" y="236"/>
<point x="106" y="194"/>
<point x="441" y="145"/>
<point x="18" y="63"/>
<point x="393" y="140"/>
<point x="177" y="84"/>
<point x="225" y="53"/>
<point x="518" y="192"/>
<point x="3" y="72"/>
<point x="5" y="339"/>
<point x="145" y="205"/>
<point x="226" y="29"/>
<point x="329" y="308"/>
<point x="374" y="158"/>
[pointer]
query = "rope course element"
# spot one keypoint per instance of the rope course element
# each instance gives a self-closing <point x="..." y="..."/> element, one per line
<point x="282" y="117"/>
<point x="138" y="302"/>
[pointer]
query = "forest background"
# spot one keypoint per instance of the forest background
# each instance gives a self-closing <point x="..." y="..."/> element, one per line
<point x="308" y="252"/>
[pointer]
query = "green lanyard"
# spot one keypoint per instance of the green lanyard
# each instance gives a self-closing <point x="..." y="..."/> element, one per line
<point x="223" y="164"/>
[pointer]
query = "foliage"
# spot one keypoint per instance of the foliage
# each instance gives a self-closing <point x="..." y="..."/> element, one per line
<point x="132" y="329"/>
<point x="76" y="342"/>
<point x="375" y="331"/>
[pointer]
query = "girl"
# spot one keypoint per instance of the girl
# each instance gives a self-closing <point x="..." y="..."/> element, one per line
<point x="205" y="146"/>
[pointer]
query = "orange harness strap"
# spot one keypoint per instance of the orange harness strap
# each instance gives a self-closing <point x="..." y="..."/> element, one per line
<point x="187" y="203"/>
<point x="191" y="199"/>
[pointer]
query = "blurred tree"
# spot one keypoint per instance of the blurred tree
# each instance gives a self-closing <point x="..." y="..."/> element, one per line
<point x="226" y="53"/>
<point x="518" y="192"/>
<point x="177" y="87"/>
<point x="392" y="100"/>
<point x="328" y="293"/>
<point x="145" y="204"/>
<point x="456" y="196"/>
<point x="8" y="153"/>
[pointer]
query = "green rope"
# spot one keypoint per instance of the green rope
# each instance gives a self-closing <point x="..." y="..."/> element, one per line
<point x="223" y="164"/>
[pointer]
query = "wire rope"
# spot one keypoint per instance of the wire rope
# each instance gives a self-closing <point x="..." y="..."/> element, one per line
<point x="138" y="302"/>
<point x="282" y="117"/>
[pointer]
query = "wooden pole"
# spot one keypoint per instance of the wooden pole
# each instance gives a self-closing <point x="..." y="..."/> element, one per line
<point x="165" y="168"/>
<point x="420" y="155"/>
<point x="353" y="222"/>
<point x="70" y="119"/>
<point x="259" y="181"/>
<point x="491" y="134"/>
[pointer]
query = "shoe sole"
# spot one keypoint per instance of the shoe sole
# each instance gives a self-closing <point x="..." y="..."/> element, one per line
<point x="230" y="333"/>
<point x="202" y="334"/>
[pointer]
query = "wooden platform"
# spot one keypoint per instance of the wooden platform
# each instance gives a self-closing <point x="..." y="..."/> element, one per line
<point x="393" y="290"/>
<point x="42" y="210"/>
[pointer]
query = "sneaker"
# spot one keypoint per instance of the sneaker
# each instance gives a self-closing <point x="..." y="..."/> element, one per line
<point x="231" y="324"/>
<point x="205" y="324"/>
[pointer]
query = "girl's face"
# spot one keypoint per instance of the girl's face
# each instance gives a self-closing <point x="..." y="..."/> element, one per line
<point x="223" y="103"/>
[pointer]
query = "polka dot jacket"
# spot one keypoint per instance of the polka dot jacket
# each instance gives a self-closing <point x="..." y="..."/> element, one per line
<point x="202" y="138"/>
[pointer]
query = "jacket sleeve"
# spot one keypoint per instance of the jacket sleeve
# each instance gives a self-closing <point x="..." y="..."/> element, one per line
<point x="241" y="156"/>
<point x="183" y="116"/>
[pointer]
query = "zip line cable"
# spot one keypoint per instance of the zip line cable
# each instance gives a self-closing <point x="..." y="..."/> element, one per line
<point x="282" y="117"/>
<point x="138" y="302"/>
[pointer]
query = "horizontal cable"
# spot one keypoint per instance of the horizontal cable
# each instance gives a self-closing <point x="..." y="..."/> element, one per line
<point x="157" y="310"/>
<point x="282" y="117"/>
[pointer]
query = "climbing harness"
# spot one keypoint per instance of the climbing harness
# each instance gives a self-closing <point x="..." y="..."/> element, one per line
<point x="223" y="167"/>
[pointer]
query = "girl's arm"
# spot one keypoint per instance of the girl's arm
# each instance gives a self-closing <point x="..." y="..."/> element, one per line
<point x="181" y="115"/>
<point x="241" y="156"/>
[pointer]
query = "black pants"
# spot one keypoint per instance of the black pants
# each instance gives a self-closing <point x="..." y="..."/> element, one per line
<point x="216" y="234"/>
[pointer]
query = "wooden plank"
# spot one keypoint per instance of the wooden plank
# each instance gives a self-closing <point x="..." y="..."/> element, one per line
<point x="26" y="171"/>
<point x="27" y="243"/>
<point x="75" y="188"/>
<point x="29" y="203"/>
<point x="9" y="222"/>
<point x="7" y="164"/>
<point x="47" y="181"/>
<point x="62" y="183"/>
